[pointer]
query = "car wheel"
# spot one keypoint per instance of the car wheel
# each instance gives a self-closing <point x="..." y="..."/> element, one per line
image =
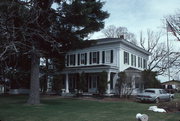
<point x="171" y="98"/>
<point x="157" y="100"/>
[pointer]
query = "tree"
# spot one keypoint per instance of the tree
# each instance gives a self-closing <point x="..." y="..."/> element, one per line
<point x="120" y="82"/>
<point x="159" y="54"/>
<point x="117" y="32"/>
<point x="150" y="80"/>
<point x="39" y="30"/>
<point x="102" y="83"/>
<point x="124" y="85"/>
<point x="173" y="24"/>
<point x="82" y="82"/>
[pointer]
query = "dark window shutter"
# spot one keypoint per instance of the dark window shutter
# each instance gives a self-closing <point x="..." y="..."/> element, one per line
<point x="132" y="59"/>
<point x="85" y="58"/>
<point x="97" y="57"/>
<point x="111" y="80"/>
<point x="74" y="59"/>
<point x="128" y="58"/>
<point x="67" y="60"/>
<point x="78" y="59"/>
<point x="103" y="56"/>
<point x="90" y="56"/>
<point x="112" y="56"/>
<point x="124" y="57"/>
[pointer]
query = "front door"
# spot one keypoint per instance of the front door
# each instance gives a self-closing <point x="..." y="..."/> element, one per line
<point x="92" y="83"/>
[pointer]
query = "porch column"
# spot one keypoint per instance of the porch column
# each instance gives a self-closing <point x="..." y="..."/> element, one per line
<point x="67" y="83"/>
<point x="108" y="86"/>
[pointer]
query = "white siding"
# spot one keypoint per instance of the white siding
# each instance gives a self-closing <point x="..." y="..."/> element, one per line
<point x="118" y="55"/>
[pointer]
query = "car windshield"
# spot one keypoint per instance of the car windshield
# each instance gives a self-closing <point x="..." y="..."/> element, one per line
<point x="150" y="91"/>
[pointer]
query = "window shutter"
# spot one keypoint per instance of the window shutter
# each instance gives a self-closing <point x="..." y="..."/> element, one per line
<point x="78" y="59"/>
<point x="128" y="58"/>
<point x="85" y="58"/>
<point x="131" y="59"/>
<point x="112" y="56"/>
<point x="90" y="58"/>
<point x="74" y="59"/>
<point x="97" y="57"/>
<point x="103" y="56"/>
<point x="67" y="61"/>
<point x="135" y="60"/>
<point x="124" y="57"/>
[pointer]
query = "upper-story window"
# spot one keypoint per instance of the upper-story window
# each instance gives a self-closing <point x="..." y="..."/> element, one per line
<point x="126" y="58"/>
<point x="72" y="59"/>
<point x="133" y="60"/>
<point x="140" y="62"/>
<point x="83" y="58"/>
<point x="144" y="63"/>
<point x="94" y="57"/>
<point x="107" y="56"/>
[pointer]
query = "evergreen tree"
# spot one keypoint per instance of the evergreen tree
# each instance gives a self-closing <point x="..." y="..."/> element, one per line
<point x="150" y="80"/>
<point x="37" y="29"/>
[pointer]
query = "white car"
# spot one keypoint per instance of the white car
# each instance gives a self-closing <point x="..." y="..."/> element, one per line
<point x="154" y="95"/>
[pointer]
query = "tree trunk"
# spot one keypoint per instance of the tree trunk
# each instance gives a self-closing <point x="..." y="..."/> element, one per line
<point x="34" y="96"/>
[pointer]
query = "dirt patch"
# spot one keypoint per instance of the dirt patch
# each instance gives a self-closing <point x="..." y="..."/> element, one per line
<point x="91" y="98"/>
<point x="107" y="99"/>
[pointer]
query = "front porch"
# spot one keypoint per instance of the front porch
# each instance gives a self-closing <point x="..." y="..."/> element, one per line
<point x="91" y="76"/>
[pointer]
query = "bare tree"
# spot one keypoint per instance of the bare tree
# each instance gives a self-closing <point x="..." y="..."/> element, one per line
<point x="117" y="32"/>
<point x="159" y="59"/>
<point x="124" y="84"/>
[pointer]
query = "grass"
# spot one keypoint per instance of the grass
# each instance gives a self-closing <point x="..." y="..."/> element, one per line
<point x="13" y="108"/>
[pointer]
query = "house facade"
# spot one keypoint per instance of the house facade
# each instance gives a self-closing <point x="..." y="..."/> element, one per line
<point x="112" y="55"/>
<point x="171" y="85"/>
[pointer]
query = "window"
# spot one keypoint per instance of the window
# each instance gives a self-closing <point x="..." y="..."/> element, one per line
<point x="150" y="91"/>
<point x="144" y="64"/>
<point x="72" y="59"/>
<point x="108" y="56"/>
<point x="94" y="57"/>
<point x="93" y="81"/>
<point x="126" y="58"/>
<point x="83" y="58"/>
<point x="140" y="61"/>
<point x="133" y="60"/>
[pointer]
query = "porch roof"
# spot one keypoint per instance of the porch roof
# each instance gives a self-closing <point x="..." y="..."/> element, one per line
<point x="90" y="69"/>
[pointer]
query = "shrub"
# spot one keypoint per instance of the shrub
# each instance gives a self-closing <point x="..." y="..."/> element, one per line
<point x="172" y="106"/>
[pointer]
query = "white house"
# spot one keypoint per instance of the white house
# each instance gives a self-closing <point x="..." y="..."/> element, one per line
<point x="112" y="55"/>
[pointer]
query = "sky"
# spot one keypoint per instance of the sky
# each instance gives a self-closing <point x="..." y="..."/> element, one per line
<point x="138" y="15"/>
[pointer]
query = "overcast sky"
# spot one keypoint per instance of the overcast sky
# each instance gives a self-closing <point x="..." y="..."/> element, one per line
<point x="138" y="15"/>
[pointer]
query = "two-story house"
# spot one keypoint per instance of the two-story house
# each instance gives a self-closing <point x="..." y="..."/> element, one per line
<point x="112" y="55"/>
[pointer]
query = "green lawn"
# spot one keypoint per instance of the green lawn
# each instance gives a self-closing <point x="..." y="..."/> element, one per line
<point x="13" y="108"/>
